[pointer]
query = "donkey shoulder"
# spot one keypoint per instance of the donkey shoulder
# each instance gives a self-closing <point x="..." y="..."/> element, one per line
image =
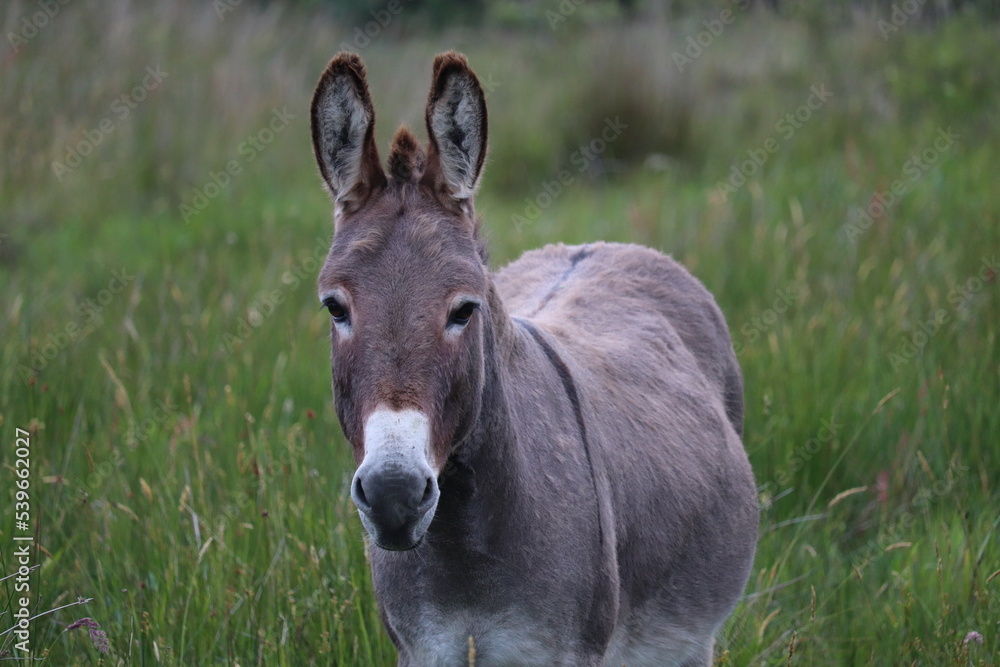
<point x="608" y="291"/>
<point x="609" y="275"/>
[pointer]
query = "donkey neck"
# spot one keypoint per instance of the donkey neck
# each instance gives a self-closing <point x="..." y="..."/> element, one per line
<point x="492" y="477"/>
<point x="486" y="468"/>
<point x="492" y="438"/>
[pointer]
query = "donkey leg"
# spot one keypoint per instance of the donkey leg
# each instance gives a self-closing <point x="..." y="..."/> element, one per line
<point x="703" y="657"/>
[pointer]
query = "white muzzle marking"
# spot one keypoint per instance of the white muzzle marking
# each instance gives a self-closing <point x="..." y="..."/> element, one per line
<point x="395" y="487"/>
<point x="397" y="437"/>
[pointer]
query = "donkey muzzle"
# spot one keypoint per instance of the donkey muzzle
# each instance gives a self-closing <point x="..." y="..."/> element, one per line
<point x="395" y="488"/>
<point x="396" y="505"/>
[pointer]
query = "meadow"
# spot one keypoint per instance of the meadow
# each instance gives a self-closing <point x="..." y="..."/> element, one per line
<point x="831" y="178"/>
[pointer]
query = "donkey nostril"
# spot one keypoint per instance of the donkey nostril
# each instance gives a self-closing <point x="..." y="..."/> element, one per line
<point x="428" y="492"/>
<point x="359" y="495"/>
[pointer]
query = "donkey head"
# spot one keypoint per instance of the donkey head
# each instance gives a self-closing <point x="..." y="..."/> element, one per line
<point x="406" y="286"/>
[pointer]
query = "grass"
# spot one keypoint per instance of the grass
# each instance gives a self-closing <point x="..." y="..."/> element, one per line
<point x="188" y="473"/>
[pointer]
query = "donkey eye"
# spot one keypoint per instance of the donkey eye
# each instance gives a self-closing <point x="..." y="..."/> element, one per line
<point x="337" y="312"/>
<point x="461" y="315"/>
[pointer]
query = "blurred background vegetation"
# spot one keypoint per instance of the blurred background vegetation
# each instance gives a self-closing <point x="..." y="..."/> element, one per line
<point x="190" y="476"/>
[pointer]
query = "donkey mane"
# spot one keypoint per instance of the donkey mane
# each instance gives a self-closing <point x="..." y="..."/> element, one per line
<point x="406" y="159"/>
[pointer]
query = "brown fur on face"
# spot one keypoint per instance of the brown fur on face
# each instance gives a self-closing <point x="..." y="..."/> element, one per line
<point x="401" y="263"/>
<point x="598" y="506"/>
<point x="405" y="248"/>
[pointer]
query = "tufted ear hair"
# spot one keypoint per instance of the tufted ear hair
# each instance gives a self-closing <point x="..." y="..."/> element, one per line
<point x="456" y="125"/>
<point x="406" y="159"/>
<point x="343" y="132"/>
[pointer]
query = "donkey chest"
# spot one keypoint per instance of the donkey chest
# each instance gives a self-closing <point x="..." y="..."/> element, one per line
<point x="489" y="638"/>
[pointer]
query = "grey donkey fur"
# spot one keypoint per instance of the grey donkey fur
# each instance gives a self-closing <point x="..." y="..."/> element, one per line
<point x="550" y="457"/>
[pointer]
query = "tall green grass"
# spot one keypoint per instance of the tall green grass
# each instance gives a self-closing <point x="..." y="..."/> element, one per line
<point x="188" y="471"/>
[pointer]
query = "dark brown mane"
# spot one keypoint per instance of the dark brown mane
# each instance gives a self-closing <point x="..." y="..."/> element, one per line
<point x="406" y="159"/>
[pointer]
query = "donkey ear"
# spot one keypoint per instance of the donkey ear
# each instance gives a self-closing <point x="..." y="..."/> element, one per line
<point x="456" y="125"/>
<point x="343" y="131"/>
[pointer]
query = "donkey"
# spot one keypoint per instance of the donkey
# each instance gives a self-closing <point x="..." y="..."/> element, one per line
<point x="550" y="464"/>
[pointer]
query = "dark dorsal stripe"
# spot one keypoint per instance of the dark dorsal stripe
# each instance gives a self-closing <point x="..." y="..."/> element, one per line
<point x="570" y="387"/>
<point x="583" y="253"/>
